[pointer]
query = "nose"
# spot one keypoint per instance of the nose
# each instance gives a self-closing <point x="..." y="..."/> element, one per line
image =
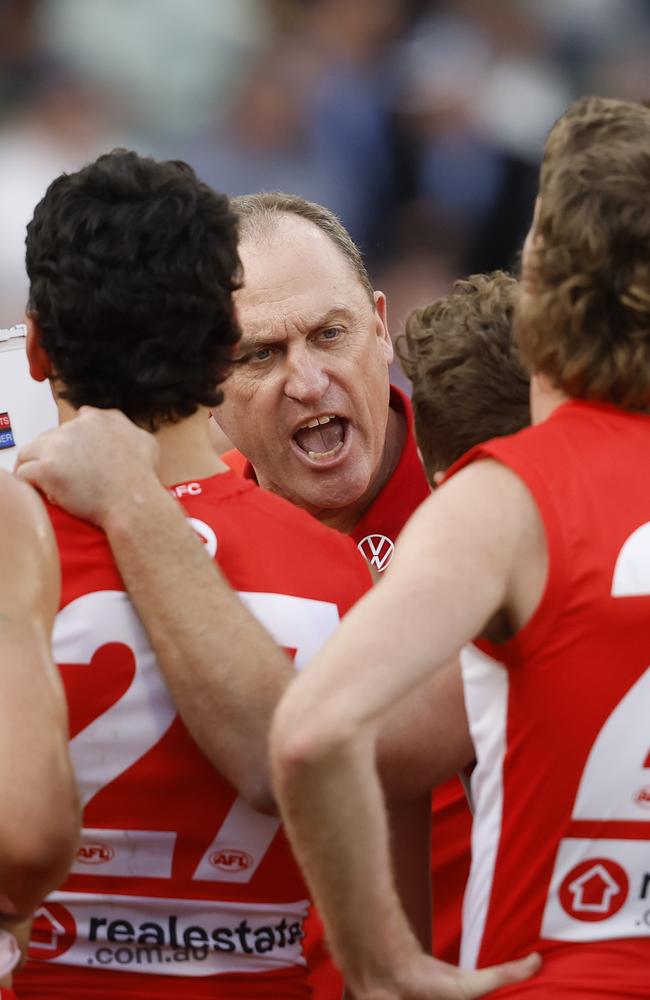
<point x="305" y="379"/>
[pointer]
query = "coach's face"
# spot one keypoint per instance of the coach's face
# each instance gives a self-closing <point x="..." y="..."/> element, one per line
<point x="307" y="400"/>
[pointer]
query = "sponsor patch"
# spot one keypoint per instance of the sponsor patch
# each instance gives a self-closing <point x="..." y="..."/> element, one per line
<point x="6" y="433"/>
<point x="600" y="891"/>
<point x="377" y="550"/>
<point x="594" y="890"/>
<point x="174" y="937"/>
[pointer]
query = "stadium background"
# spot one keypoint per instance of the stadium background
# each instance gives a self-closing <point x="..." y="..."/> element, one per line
<point x="420" y="122"/>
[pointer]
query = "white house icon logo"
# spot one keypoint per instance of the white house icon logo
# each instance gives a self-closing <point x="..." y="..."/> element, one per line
<point x="54" y="931"/>
<point x="594" y="890"/>
<point x="47" y="930"/>
<point x="377" y="550"/>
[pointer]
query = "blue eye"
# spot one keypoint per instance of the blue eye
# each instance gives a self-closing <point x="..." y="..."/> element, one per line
<point x="263" y="354"/>
<point x="332" y="333"/>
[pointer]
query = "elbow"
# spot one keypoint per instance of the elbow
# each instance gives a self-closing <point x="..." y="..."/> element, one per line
<point x="246" y="768"/>
<point x="258" y="793"/>
<point x="303" y="744"/>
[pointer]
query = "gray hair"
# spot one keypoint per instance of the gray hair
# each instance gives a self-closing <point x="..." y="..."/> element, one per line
<point x="258" y="215"/>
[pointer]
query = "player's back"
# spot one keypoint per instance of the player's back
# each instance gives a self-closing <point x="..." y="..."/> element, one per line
<point x="176" y="875"/>
<point x="562" y="827"/>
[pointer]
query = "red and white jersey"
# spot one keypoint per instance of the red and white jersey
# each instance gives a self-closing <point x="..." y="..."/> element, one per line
<point x="26" y="407"/>
<point x="560" y="718"/>
<point x="176" y="875"/>
<point x="375" y="534"/>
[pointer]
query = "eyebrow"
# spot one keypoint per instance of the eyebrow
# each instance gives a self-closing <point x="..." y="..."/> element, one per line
<point x="261" y="338"/>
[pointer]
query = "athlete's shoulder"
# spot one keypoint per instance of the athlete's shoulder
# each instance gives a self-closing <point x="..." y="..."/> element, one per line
<point x="294" y="521"/>
<point x="27" y="547"/>
<point x="68" y="528"/>
<point x="262" y="541"/>
<point x="87" y="563"/>
<point x="21" y="510"/>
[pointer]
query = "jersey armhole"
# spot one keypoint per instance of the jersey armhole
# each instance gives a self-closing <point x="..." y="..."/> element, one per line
<point x="551" y="602"/>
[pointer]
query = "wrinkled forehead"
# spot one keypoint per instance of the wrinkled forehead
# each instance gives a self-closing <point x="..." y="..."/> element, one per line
<point x="295" y="268"/>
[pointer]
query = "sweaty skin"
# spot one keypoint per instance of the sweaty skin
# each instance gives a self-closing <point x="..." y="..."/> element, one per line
<point x="39" y="821"/>
<point x="307" y="399"/>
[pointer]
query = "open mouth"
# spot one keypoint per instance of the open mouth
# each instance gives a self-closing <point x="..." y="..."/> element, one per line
<point x="321" y="437"/>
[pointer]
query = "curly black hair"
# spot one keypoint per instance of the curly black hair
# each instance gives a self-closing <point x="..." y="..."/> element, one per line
<point x="132" y="264"/>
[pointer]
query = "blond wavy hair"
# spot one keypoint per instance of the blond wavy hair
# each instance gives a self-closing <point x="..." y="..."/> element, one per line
<point x="586" y="322"/>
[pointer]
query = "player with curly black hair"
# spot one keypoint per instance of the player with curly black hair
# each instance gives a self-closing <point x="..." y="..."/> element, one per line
<point x="180" y="887"/>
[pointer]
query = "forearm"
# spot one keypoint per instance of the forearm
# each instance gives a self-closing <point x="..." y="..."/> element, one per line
<point x="40" y="817"/>
<point x="198" y="628"/>
<point x="410" y="847"/>
<point x="332" y="805"/>
<point x="425" y="739"/>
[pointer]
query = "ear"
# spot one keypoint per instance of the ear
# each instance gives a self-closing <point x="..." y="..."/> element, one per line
<point x="40" y="366"/>
<point x="381" y="324"/>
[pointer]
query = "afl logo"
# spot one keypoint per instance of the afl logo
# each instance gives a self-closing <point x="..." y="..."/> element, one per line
<point x="377" y="550"/>
<point x="95" y="853"/>
<point x="206" y="535"/>
<point x="231" y="860"/>
<point x="642" y="797"/>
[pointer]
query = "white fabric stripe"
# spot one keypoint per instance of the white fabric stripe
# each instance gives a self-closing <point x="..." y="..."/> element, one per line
<point x="126" y="853"/>
<point x="244" y="832"/>
<point x="485" y="683"/>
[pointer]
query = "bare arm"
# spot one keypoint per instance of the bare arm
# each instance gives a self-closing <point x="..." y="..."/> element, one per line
<point x="101" y="467"/>
<point x="409" y="822"/>
<point x="39" y="818"/>
<point x="451" y="573"/>
<point x="413" y="754"/>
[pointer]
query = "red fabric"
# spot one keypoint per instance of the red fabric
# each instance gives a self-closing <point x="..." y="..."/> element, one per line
<point x="450" y="856"/>
<point x="570" y="876"/>
<point x="157" y="888"/>
<point x="57" y="982"/>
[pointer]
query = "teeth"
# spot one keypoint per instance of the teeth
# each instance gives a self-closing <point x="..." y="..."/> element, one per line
<point x="325" y="454"/>
<point x="318" y="420"/>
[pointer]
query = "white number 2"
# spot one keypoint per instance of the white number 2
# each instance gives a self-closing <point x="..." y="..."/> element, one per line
<point x="135" y="723"/>
<point x="614" y="771"/>
<point x="597" y="874"/>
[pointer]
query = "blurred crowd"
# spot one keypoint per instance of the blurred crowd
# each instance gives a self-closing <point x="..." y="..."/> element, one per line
<point x="420" y="122"/>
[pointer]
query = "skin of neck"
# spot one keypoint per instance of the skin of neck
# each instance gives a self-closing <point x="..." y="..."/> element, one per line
<point x="544" y="397"/>
<point x="186" y="450"/>
<point x="344" y="519"/>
